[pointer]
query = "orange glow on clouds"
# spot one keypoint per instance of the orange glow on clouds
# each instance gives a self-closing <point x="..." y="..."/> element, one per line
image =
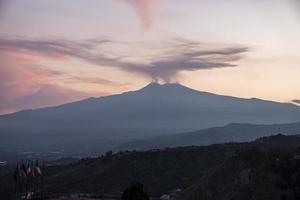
<point x="24" y="84"/>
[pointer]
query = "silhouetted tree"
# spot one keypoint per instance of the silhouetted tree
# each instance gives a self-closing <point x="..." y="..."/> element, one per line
<point x="109" y="153"/>
<point x="135" y="192"/>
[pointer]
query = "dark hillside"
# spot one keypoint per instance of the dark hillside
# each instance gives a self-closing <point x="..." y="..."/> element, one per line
<point x="160" y="171"/>
<point x="254" y="173"/>
<point x="232" y="171"/>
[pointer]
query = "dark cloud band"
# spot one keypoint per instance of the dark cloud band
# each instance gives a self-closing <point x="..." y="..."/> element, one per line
<point x="182" y="55"/>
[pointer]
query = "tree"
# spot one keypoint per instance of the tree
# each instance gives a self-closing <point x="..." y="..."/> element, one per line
<point x="109" y="153"/>
<point x="135" y="192"/>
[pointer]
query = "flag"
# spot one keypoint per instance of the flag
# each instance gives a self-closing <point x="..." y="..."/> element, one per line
<point x="24" y="171"/>
<point x="29" y="171"/>
<point x="17" y="173"/>
<point x="37" y="169"/>
<point x="33" y="173"/>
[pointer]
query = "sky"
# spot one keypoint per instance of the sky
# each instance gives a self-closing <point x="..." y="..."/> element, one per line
<point x="58" y="51"/>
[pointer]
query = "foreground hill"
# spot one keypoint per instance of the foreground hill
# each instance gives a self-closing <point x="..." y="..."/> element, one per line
<point x="252" y="174"/>
<point x="229" y="133"/>
<point x="99" y="124"/>
<point x="161" y="170"/>
<point x="268" y="166"/>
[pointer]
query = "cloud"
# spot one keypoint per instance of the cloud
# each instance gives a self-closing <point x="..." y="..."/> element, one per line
<point x="15" y="82"/>
<point x="55" y="49"/>
<point x="92" y="80"/>
<point x="295" y="4"/>
<point x="24" y="83"/>
<point x="3" y="6"/>
<point x="48" y="95"/>
<point x="15" y="79"/>
<point x="191" y="56"/>
<point x="144" y="10"/>
<point x="24" y="87"/>
<point x="180" y="55"/>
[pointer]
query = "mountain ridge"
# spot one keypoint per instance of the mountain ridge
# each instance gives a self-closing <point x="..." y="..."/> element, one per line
<point x="150" y="86"/>
<point x="233" y="132"/>
<point x="154" y="110"/>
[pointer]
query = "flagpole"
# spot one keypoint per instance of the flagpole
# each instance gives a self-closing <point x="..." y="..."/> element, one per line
<point x="37" y="179"/>
<point x="26" y="192"/>
<point x="31" y="178"/>
<point x="34" y="178"/>
<point x="42" y="183"/>
<point x="17" y="178"/>
<point x="22" y="179"/>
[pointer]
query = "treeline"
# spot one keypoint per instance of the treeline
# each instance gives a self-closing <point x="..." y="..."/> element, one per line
<point x="161" y="171"/>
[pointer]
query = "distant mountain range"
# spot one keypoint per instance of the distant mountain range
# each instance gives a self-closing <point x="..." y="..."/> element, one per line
<point x="99" y="124"/>
<point x="229" y="133"/>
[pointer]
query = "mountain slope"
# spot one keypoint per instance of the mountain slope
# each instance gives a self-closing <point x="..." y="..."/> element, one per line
<point x="252" y="174"/>
<point x="229" y="133"/>
<point x="98" y="124"/>
<point x="162" y="170"/>
<point x="219" y="170"/>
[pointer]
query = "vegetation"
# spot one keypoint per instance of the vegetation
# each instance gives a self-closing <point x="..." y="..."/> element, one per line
<point x="266" y="169"/>
<point x="269" y="164"/>
<point x="6" y="183"/>
<point x="135" y="192"/>
<point x="159" y="170"/>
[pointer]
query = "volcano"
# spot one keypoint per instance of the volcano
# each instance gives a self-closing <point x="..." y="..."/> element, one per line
<point x="98" y="124"/>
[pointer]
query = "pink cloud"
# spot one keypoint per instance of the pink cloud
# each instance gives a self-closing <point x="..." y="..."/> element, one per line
<point x="15" y="78"/>
<point x="48" y="95"/>
<point x="23" y="86"/>
<point x="27" y="84"/>
<point x="144" y="9"/>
